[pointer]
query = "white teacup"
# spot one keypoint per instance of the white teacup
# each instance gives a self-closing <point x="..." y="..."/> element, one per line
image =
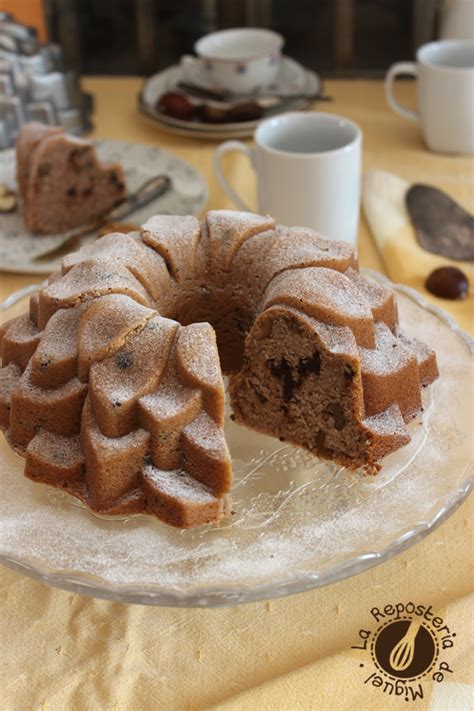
<point x="308" y="172"/>
<point x="445" y="94"/>
<point x="240" y="60"/>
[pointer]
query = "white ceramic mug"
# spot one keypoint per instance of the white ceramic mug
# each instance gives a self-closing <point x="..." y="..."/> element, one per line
<point x="457" y="19"/>
<point x="241" y="60"/>
<point x="308" y="172"/>
<point x="445" y="94"/>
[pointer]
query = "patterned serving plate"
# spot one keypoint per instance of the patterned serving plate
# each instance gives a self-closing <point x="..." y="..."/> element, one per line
<point x="292" y="78"/>
<point x="299" y="522"/>
<point x="24" y="253"/>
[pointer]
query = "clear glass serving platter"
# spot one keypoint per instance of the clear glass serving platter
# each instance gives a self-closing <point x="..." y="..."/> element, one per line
<point x="299" y="522"/>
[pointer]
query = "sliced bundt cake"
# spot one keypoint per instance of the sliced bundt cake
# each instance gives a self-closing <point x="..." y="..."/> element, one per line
<point x="111" y="385"/>
<point x="61" y="181"/>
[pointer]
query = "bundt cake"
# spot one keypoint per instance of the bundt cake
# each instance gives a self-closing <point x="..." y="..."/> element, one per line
<point x="61" y="181"/>
<point x="111" y="385"/>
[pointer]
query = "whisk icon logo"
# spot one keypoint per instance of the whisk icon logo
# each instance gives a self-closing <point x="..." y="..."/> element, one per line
<point x="404" y="649"/>
<point x="406" y="646"/>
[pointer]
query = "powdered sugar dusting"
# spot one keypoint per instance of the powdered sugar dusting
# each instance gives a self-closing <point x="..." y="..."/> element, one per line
<point x="59" y="338"/>
<point x="107" y="323"/>
<point x="197" y="355"/>
<point x="179" y="485"/>
<point x="388" y="356"/>
<point x="175" y="238"/>
<point x="228" y="230"/>
<point x="329" y="288"/>
<point x="298" y="521"/>
<point x="388" y="422"/>
<point x="327" y="295"/>
<point x="116" y="246"/>
<point x="170" y="401"/>
<point x="298" y="248"/>
<point x="21" y="328"/>
<point x="95" y="279"/>
<point x="204" y="431"/>
<point x="171" y="227"/>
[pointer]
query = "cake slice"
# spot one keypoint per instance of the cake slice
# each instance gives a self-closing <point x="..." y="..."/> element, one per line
<point x="26" y="144"/>
<point x="308" y="382"/>
<point x="62" y="182"/>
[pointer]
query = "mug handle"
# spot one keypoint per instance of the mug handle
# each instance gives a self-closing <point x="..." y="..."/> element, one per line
<point x="228" y="147"/>
<point x="393" y="72"/>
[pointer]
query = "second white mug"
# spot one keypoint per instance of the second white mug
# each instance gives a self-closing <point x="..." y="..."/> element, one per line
<point x="308" y="172"/>
<point x="445" y="94"/>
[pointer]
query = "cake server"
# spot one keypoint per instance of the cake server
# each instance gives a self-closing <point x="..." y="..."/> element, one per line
<point x="442" y="225"/>
<point x="150" y="190"/>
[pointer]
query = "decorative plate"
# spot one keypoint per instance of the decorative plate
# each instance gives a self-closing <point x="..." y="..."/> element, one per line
<point x="22" y="252"/>
<point x="292" y="78"/>
<point x="299" y="522"/>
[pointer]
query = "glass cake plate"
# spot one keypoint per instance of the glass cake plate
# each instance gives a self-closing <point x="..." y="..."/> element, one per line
<point x="299" y="522"/>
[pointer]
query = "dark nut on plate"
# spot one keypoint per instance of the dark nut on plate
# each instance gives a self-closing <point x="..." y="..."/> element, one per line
<point x="245" y="111"/>
<point x="448" y="283"/>
<point x="176" y="105"/>
<point x="7" y="199"/>
<point x="248" y="111"/>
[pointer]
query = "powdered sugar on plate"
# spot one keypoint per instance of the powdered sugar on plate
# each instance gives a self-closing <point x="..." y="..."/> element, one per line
<point x="299" y="522"/>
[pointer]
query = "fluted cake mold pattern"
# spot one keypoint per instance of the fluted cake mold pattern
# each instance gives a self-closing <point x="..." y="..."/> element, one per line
<point x="112" y="388"/>
<point x="285" y="498"/>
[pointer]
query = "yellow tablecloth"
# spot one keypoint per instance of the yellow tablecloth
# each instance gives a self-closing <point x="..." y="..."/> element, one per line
<point x="63" y="652"/>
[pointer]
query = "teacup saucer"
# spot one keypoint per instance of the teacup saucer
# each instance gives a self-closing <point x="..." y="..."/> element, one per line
<point x="292" y="78"/>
